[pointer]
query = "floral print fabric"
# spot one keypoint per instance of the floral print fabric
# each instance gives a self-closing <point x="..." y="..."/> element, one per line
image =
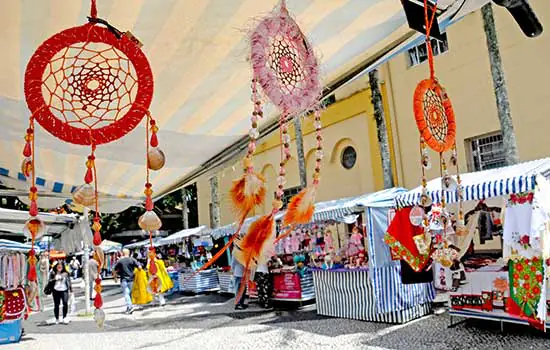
<point x="526" y="276"/>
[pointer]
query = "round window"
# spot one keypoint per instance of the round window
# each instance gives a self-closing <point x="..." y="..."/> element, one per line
<point x="349" y="157"/>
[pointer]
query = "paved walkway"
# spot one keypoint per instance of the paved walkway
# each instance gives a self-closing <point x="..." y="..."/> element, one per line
<point x="209" y="322"/>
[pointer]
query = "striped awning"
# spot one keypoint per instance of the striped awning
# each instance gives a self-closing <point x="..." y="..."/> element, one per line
<point x="11" y="246"/>
<point x="198" y="54"/>
<point x="181" y="235"/>
<point x="483" y="184"/>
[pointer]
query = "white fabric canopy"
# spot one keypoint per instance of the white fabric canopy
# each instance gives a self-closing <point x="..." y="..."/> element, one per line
<point x="198" y="53"/>
<point x="181" y="235"/>
<point x="7" y="245"/>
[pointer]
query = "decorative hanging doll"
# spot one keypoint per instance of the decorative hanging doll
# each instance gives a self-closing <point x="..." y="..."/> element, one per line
<point x="435" y="120"/>
<point x="90" y="85"/>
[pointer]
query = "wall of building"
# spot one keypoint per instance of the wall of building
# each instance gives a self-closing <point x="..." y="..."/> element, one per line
<point x="465" y="73"/>
<point x="348" y="122"/>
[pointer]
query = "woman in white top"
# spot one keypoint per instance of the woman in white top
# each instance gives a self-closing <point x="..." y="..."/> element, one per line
<point x="61" y="282"/>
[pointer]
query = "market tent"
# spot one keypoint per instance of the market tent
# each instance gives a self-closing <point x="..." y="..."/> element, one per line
<point x="8" y="245"/>
<point x="110" y="246"/>
<point x="484" y="184"/>
<point x="144" y="243"/>
<point x="198" y="54"/>
<point x="13" y="221"/>
<point x="181" y="235"/>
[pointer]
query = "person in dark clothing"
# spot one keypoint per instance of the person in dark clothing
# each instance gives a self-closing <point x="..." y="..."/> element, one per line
<point x="61" y="282"/>
<point x="124" y="269"/>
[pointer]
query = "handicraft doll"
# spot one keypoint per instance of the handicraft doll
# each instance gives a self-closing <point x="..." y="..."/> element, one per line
<point x="90" y="85"/>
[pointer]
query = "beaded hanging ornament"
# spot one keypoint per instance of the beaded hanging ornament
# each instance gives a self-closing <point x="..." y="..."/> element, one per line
<point x="435" y="120"/>
<point x="285" y="69"/>
<point x="90" y="85"/>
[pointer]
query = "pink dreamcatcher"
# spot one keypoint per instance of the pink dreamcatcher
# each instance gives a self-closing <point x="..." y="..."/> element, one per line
<point x="285" y="68"/>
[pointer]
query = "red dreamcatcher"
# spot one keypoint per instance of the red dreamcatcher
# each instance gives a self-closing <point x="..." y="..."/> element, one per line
<point x="285" y="68"/>
<point x="435" y="120"/>
<point x="90" y="85"/>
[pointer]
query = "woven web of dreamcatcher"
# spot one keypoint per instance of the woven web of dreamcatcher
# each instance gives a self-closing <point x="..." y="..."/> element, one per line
<point x="286" y="61"/>
<point x="89" y="85"/>
<point x="435" y="116"/>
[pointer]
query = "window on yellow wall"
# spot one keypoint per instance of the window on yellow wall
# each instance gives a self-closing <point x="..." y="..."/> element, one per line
<point x="289" y="193"/>
<point x="486" y="152"/>
<point x="348" y="157"/>
<point x="419" y="53"/>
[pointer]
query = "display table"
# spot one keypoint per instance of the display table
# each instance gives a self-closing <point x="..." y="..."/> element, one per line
<point x="350" y="294"/>
<point x="484" y="295"/>
<point x="204" y="281"/>
<point x="11" y="331"/>
<point x="289" y="286"/>
<point x="174" y="276"/>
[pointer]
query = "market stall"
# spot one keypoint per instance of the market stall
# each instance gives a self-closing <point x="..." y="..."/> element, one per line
<point x="504" y="246"/>
<point x="374" y="292"/>
<point x="184" y="252"/>
<point x="14" y="305"/>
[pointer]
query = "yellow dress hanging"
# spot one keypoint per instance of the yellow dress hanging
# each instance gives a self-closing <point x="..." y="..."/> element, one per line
<point x="140" y="295"/>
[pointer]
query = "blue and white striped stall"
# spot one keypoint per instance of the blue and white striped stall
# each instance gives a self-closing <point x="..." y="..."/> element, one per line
<point x="204" y="281"/>
<point x="484" y="184"/>
<point x="375" y="294"/>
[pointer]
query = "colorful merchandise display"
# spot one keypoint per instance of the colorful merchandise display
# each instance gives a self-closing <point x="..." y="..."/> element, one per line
<point x="509" y="285"/>
<point x="376" y="291"/>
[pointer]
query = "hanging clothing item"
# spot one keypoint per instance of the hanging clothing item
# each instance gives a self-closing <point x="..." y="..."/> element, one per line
<point x="517" y="239"/>
<point x="399" y="238"/>
<point x="140" y="295"/>
<point x="485" y="226"/>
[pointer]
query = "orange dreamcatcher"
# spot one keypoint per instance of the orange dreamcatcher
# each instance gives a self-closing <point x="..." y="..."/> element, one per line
<point x="435" y="120"/>
<point x="90" y="85"/>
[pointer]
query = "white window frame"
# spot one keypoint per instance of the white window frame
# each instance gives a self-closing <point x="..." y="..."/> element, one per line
<point x="478" y="150"/>
<point x="438" y="47"/>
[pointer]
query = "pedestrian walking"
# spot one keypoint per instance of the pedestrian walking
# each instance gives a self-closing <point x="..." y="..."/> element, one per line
<point x="238" y="275"/>
<point x="75" y="266"/>
<point x="61" y="282"/>
<point x="124" y="270"/>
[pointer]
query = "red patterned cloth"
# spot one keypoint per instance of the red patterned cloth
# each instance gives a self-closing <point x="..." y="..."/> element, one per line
<point x="15" y="304"/>
<point x="399" y="237"/>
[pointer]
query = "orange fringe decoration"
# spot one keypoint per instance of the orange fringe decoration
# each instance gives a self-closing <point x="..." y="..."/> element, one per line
<point x="300" y="208"/>
<point x="246" y="193"/>
<point x="249" y="249"/>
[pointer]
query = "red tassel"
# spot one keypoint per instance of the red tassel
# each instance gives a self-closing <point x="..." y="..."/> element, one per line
<point x="97" y="238"/>
<point x="33" y="211"/>
<point x="98" y="302"/>
<point x="153" y="267"/>
<point x="154" y="140"/>
<point x="27" y="151"/>
<point x="31" y="275"/>
<point x="89" y="177"/>
<point x="149" y="204"/>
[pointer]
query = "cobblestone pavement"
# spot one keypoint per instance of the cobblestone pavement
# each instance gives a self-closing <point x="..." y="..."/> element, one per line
<point x="209" y="322"/>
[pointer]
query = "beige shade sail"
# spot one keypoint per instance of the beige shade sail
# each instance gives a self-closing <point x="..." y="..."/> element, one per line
<point x="198" y="53"/>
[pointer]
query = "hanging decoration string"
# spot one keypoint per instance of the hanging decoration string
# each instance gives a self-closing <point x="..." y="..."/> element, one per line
<point x="429" y="23"/>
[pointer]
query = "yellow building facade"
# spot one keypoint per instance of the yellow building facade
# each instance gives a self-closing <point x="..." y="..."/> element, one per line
<point x="463" y="69"/>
